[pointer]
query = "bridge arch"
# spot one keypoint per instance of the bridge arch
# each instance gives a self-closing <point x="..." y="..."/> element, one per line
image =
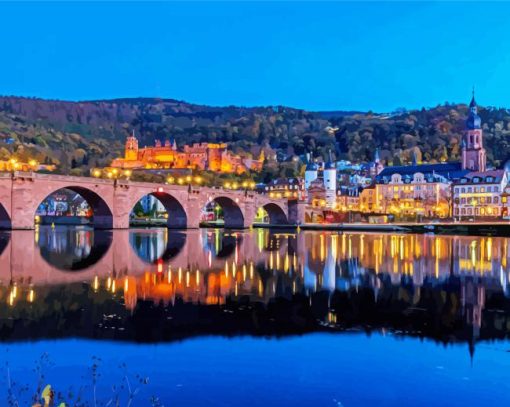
<point x="5" y="219"/>
<point x="233" y="215"/>
<point x="102" y="216"/>
<point x="275" y="213"/>
<point x="177" y="216"/>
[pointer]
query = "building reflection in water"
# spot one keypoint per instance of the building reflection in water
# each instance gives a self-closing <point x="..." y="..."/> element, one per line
<point x="354" y="278"/>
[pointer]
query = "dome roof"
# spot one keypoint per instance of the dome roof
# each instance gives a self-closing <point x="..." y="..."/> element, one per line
<point x="473" y="121"/>
<point x="311" y="166"/>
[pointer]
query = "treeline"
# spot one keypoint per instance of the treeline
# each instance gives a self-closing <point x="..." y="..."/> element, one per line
<point x="77" y="136"/>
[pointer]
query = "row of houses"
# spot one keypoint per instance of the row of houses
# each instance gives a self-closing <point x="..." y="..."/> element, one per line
<point x="460" y="190"/>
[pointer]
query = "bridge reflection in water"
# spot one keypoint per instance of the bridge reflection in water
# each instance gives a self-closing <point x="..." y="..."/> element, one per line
<point x="158" y="284"/>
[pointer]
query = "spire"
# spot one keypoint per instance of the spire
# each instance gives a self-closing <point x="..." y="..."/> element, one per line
<point x="415" y="158"/>
<point x="473" y="101"/>
<point x="376" y="156"/>
<point x="310" y="166"/>
<point x="330" y="165"/>
<point x="473" y="120"/>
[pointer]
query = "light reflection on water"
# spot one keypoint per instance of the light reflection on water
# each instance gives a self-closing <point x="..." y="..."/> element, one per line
<point x="157" y="285"/>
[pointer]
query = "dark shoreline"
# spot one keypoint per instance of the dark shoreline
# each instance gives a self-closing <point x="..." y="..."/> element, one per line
<point x="465" y="229"/>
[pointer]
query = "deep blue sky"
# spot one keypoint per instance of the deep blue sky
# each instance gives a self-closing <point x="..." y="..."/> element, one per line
<point x="349" y="56"/>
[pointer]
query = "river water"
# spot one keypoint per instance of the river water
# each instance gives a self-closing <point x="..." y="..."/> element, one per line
<point x="255" y="318"/>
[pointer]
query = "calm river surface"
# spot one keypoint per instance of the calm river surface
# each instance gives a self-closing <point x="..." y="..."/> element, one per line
<point x="254" y="318"/>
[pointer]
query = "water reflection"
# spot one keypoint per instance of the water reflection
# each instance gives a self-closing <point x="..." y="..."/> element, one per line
<point x="156" y="285"/>
<point x="72" y="248"/>
<point x="155" y="246"/>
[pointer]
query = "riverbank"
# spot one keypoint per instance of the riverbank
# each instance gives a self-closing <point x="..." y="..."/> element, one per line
<point x="466" y="228"/>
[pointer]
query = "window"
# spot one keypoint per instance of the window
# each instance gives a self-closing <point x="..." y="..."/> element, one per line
<point x="489" y="189"/>
<point x="496" y="189"/>
<point x="496" y="199"/>
<point x="489" y="200"/>
<point x="482" y="189"/>
<point x="463" y="190"/>
<point x="462" y="200"/>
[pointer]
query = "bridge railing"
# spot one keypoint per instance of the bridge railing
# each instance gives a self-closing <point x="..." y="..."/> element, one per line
<point x="213" y="190"/>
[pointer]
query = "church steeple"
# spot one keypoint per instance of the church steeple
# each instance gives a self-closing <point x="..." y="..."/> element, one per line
<point x="473" y="120"/>
<point x="473" y="154"/>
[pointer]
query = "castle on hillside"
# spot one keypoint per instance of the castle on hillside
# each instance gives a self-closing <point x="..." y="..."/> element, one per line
<point x="199" y="156"/>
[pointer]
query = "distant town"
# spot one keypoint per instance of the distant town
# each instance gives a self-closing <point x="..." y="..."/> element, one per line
<point x="334" y="191"/>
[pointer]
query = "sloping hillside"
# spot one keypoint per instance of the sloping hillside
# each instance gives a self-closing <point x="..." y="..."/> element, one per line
<point x="80" y="135"/>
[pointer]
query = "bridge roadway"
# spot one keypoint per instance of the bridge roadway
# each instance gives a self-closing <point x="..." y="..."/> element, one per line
<point x="112" y="201"/>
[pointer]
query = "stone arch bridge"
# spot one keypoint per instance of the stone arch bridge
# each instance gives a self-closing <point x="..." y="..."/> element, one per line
<point x="112" y="201"/>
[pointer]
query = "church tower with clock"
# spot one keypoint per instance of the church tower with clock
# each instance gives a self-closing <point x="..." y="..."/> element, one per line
<point x="474" y="157"/>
